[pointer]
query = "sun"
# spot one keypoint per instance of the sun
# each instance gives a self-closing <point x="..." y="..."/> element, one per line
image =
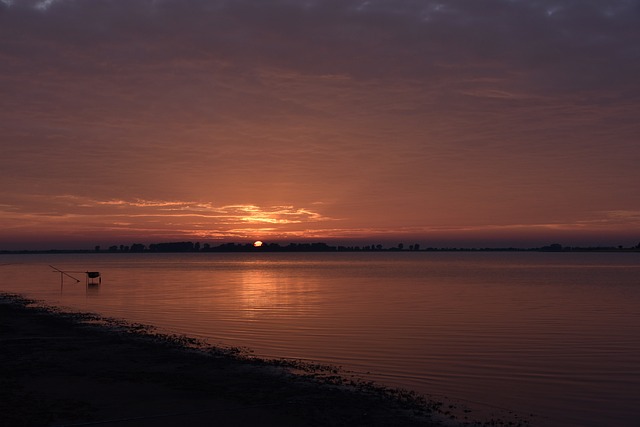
<point x="257" y="244"/>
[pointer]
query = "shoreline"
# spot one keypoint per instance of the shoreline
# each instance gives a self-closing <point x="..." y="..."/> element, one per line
<point x="61" y="368"/>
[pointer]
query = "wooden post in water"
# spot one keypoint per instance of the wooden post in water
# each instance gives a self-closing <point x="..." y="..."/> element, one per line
<point x="62" y="274"/>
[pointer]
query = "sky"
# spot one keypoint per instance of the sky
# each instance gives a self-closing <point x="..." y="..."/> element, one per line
<point x="478" y="123"/>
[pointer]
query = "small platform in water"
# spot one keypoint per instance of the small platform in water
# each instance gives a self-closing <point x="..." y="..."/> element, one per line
<point x="92" y="277"/>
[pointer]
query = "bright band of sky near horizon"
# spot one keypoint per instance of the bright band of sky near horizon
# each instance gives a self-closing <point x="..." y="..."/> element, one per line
<point x="502" y="122"/>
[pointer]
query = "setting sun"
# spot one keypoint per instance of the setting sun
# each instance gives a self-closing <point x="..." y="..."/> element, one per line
<point x="257" y="243"/>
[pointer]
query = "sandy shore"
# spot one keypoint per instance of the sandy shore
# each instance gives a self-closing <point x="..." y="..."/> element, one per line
<point x="62" y="369"/>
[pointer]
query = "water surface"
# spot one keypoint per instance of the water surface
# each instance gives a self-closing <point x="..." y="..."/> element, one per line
<point x="552" y="334"/>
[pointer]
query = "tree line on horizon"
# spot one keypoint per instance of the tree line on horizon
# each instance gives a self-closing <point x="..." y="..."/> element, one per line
<point x="168" y="247"/>
<point x="324" y="247"/>
<point x="250" y="247"/>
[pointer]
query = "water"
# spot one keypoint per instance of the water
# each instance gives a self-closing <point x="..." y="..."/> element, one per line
<point x="551" y="334"/>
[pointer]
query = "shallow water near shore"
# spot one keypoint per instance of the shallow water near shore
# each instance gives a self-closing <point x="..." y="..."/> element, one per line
<point x="556" y="335"/>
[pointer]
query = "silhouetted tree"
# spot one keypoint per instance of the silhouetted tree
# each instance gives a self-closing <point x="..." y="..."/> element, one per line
<point x="555" y="247"/>
<point x="138" y="247"/>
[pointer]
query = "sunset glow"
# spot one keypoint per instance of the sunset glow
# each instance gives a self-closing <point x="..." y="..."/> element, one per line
<point x="515" y="123"/>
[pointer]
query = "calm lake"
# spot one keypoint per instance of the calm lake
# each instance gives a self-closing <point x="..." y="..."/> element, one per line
<point x="556" y="335"/>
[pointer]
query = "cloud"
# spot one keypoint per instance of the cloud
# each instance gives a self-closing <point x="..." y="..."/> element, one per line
<point x="193" y="215"/>
<point x="549" y="42"/>
<point x="80" y="219"/>
<point x="500" y="47"/>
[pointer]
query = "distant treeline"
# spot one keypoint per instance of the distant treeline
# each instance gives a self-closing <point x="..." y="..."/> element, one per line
<point x="324" y="247"/>
<point x="234" y="247"/>
<point x="319" y="247"/>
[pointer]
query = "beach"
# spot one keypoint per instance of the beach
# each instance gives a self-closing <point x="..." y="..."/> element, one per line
<point x="62" y="369"/>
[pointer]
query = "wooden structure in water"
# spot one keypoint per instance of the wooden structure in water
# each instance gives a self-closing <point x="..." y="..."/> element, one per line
<point x="92" y="277"/>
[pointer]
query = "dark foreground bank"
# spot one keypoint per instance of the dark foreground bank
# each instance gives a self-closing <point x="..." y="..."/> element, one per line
<point x="78" y="369"/>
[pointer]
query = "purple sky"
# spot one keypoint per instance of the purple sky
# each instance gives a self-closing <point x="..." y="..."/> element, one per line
<point x="473" y="122"/>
